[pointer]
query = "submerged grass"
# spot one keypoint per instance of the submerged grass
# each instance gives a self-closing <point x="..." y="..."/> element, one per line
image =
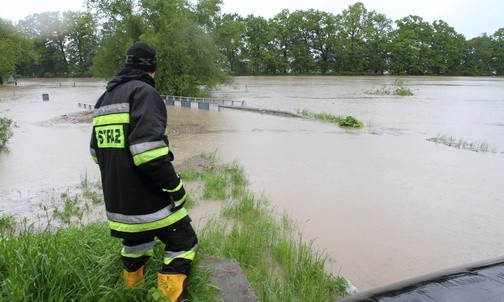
<point x="81" y="262"/>
<point x="462" y="143"/>
<point x="348" y="121"/>
<point x="397" y="88"/>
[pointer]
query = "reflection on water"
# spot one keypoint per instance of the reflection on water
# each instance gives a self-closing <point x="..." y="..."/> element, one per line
<point x="383" y="202"/>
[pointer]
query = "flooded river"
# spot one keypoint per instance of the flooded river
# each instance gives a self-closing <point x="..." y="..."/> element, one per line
<point x="383" y="202"/>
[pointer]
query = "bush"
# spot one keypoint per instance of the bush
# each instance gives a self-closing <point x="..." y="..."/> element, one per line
<point x="5" y="132"/>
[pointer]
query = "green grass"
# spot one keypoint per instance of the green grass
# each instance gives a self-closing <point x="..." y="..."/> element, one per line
<point x="81" y="262"/>
<point x="5" y="132"/>
<point x="348" y="121"/>
<point x="397" y="88"/>
<point x="91" y="191"/>
<point x="462" y="143"/>
<point x="7" y="226"/>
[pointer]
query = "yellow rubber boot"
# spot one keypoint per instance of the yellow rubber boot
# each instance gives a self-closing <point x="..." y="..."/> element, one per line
<point x="171" y="285"/>
<point x="132" y="278"/>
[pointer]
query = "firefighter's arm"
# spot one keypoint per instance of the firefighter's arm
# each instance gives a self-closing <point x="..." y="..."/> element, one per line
<point x="149" y="147"/>
<point x="93" y="147"/>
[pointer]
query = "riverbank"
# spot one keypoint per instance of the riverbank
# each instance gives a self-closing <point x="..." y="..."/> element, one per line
<point x="245" y="228"/>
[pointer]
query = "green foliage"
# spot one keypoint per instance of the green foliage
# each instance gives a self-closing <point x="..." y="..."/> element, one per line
<point x="190" y="175"/>
<point x="188" y="60"/>
<point x="71" y="208"/>
<point x="397" y="88"/>
<point x="348" y="121"/>
<point x="7" y="226"/>
<point x="462" y="143"/>
<point x="228" y="32"/>
<point x="198" y="47"/>
<point x="5" y="132"/>
<point x="14" y="49"/>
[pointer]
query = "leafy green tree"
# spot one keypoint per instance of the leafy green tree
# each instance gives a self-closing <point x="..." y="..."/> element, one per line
<point x="14" y="49"/>
<point x="447" y="48"/>
<point x="120" y="26"/>
<point x="282" y="37"/>
<point x="352" y="38"/>
<point x="320" y="29"/>
<point x="411" y="51"/>
<point x="116" y="37"/>
<point x="259" y="50"/>
<point x="189" y="61"/>
<point x="498" y="45"/>
<point x="81" y="41"/>
<point x="49" y="37"/>
<point x="207" y="13"/>
<point x="301" y="56"/>
<point x="480" y="56"/>
<point x="228" y="32"/>
<point x="377" y="46"/>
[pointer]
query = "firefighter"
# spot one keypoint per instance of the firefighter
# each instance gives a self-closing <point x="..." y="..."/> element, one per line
<point x="144" y="196"/>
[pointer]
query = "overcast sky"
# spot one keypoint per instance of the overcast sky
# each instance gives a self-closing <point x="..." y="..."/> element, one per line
<point x="469" y="17"/>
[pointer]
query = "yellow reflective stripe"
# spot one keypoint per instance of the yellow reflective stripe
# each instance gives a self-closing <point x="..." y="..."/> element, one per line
<point x="189" y="255"/>
<point x="137" y="255"/>
<point x="95" y="159"/>
<point x="116" y="118"/>
<point x="148" y="226"/>
<point x="176" y="188"/>
<point x="180" y="201"/>
<point x="147" y="156"/>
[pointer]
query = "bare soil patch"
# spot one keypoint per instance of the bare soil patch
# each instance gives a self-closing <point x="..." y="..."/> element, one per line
<point x="84" y="117"/>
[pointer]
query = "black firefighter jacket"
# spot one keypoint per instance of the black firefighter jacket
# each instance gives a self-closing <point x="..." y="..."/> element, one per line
<point x="143" y="194"/>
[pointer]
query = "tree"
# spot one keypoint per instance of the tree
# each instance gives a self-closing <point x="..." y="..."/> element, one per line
<point x="351" y="38"/>
<point x="188" y="60"/>
<point x="81" y="41"/>
<point x="320" y="29"/>
<point x="259" y="50"/>
<point x="377" y="46"/>
<point x="14" y="49"/>
<point x="411" y="51"/>
<point x="120" y="26"/>
<point x="498" y="45"/>
<point x="228" y="30"/>
<point x="301" y="55"/>
<point x="282" y="40"/>
<point x="480" y="56"/>
<point x="49" y="38"/>
<point x="448" y="49"/>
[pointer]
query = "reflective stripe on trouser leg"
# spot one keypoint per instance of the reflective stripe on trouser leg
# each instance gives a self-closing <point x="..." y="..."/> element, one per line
<point x="135" y="256"/>
<point x="187" y="255"/>
<point x="138" y="251"/>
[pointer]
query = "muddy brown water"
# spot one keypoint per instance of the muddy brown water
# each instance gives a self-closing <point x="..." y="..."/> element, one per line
<point x="383" y="202"/>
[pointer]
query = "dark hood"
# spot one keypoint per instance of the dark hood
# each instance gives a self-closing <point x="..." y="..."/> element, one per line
<point x="130" y="74"/>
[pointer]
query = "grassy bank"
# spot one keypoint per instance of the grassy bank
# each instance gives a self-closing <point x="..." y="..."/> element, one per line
<point x="81" y="263"/>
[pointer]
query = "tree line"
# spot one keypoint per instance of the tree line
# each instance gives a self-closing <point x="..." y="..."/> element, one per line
<point x="199" y="47"/>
